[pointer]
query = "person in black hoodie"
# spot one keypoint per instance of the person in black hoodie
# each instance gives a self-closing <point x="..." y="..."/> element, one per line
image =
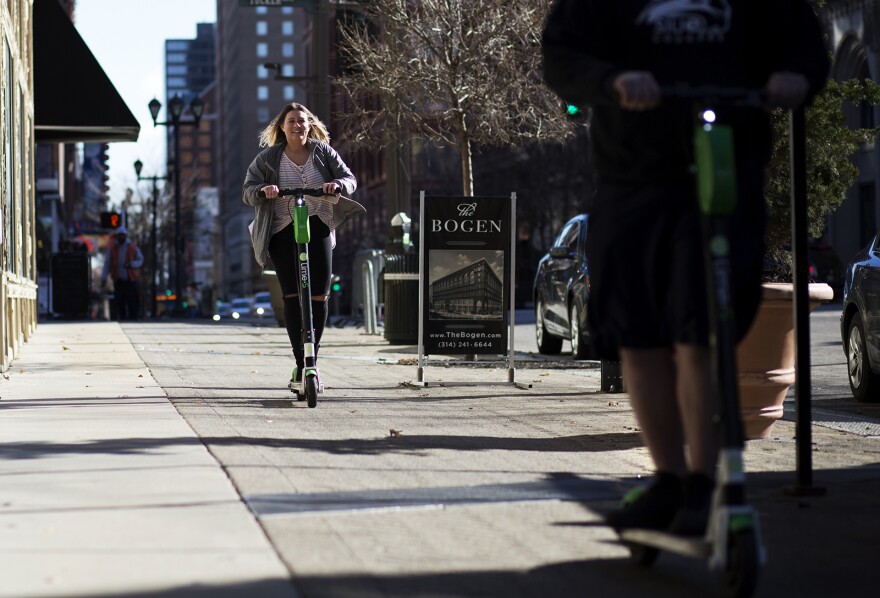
<point x="647" y="300"/>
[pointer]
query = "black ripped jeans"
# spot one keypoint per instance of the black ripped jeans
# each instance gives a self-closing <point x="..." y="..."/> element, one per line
<point x="282" y="250"/>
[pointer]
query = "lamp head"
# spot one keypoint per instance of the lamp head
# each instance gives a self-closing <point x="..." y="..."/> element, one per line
<point x="155" y="105"/>
<point x="138" y="166"/>
<point x="197" y="107"/>
<point x="175" y="107"/>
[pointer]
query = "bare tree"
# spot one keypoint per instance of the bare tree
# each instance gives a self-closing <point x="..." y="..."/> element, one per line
<point x="461" y="72"/>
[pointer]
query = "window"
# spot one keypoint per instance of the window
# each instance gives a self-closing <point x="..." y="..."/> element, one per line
<point x="176" y="45"/>
<point x="176" y="70"/>
<point x="867" y="213"/>
<point x="8" y="145"/>
<point x="262" y="92"/>
<point x="261" y="10"/>
<point x="562" y="240"/>
<point x="262" y="28"/>
<point x="287" y="10"/>
<point x="287" y="49"/>
<point x="263" y="115"/>
<point x="288" y="93"/>
<point x="262" y="72"/>
<point x="176" y="82"/>
<point x="175" y="58"/>
<point x="262" y="49"/>
<point x="287" y="70"/>
<point x="287" y="28"/>
<point x="866" y="116"/>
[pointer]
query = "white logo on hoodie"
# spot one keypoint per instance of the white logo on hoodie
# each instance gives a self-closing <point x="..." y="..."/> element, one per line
<point x="686" y="21"/>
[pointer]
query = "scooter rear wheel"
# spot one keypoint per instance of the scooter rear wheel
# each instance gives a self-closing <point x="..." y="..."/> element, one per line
<point x="312" y="391"/>
<point x="740" y="578"/>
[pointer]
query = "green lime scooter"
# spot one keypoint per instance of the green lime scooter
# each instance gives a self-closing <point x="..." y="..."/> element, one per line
<point x="732" y="543"/>
<point x="311" y="379"/>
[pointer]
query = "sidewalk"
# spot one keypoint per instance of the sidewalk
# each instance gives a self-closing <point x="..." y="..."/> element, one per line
<point x="198" y="475"/>
<point x="94" y="501"/>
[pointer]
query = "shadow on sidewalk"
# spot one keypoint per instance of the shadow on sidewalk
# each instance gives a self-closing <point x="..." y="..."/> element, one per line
<point x="353" y="446"/>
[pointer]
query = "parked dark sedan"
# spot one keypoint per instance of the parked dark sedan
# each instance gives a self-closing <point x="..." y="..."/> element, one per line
<point x="562" y="285"/>
<point x="860" y="322"/>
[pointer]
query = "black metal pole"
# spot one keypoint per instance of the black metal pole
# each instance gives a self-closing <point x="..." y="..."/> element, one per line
<point x="803" y="416"/>
<point x="153" y="304"/>
<point x="177" y="249"/>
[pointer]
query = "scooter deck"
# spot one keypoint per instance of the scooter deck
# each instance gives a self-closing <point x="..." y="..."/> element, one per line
<point x="697" y="547"/>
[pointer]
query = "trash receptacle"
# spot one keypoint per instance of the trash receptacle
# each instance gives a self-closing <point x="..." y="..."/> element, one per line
<point x="401" y="294"/>
<point x="71" y="277"/>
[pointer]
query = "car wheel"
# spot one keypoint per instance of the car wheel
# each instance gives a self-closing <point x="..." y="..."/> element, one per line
<point x="865" y="384"/>
<point x="580" y="342"/>
<point x="547" y="345"/>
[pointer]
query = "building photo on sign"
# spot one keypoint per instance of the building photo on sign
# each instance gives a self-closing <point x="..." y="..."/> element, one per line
<point x="466" y="284"/>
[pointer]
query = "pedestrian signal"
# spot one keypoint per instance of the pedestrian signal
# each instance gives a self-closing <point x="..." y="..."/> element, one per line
<point x="111" y="220"/>
<point x="335" y="284"/>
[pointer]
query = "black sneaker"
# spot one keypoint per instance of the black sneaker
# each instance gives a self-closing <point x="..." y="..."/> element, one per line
<point x="693" y="516"/>
<point x="653" y="507"/>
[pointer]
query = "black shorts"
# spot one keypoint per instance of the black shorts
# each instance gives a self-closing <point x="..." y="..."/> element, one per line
<point x="647" y="276"/>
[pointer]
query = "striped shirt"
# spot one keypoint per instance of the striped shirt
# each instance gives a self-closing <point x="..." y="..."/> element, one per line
<point x="305" y="176"/>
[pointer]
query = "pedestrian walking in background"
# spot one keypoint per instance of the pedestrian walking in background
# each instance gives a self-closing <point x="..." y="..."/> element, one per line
<point x="298" y="155"/>
<point x="648" y="299"/>
<point x="122" y="263"/>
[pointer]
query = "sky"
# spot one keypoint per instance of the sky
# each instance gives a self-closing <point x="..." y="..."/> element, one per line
<point x="127" y="38"/>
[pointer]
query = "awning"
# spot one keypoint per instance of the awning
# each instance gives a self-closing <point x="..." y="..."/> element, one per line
<point x="73" y="98"/>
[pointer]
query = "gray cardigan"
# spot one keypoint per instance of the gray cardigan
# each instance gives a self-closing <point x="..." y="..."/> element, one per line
<point x="264" y="171"/>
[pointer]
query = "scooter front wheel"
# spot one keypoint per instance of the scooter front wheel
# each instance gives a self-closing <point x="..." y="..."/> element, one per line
<point x="743" y="563"/>
<point x="311" y="384"/>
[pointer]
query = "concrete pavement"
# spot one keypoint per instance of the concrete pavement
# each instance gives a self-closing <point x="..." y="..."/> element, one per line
<point x="95" y="500"/>
<point x="167" y="459"/>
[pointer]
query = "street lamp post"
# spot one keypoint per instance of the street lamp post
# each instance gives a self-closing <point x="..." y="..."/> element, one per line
<point x="175" y="110"/>
<point x="138" y="166"/>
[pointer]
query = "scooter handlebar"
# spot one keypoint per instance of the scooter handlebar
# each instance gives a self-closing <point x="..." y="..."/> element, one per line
<point x="739" y="96"/>
<point x="303" y="191"/>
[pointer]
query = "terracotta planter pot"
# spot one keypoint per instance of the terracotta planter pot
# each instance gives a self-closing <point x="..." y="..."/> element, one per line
<point x="765" y="357"/>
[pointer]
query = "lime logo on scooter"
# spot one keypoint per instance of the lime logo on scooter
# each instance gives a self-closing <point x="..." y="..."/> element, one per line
<point x="304" y="270"/>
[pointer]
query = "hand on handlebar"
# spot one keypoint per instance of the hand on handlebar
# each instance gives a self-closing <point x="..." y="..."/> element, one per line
<point x="270" y="191"/>
<point x="637" y="90"/>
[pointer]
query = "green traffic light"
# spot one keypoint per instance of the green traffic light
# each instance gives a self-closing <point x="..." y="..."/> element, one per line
<point x="167" y="292"/>
<point x="336" y="287"/>
<point x="572" y="110"/>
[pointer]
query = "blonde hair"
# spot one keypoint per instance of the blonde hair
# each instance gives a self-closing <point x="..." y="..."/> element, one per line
<point x="273" y="135"/>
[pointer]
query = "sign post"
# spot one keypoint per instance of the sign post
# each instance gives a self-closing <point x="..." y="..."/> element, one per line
<point x="466" y="279"/>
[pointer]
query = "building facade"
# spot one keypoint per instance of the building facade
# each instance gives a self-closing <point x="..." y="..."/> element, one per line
<point x="18" y="269"/>
<point x="190" y="64"/>
<point x="853" y="30"/>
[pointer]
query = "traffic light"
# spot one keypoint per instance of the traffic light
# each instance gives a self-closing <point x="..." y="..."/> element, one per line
<point x="573" y="111"/>
<point x="104" y="165"/>
<point x="335" y="283"/>
<point x="111" y="220"/>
